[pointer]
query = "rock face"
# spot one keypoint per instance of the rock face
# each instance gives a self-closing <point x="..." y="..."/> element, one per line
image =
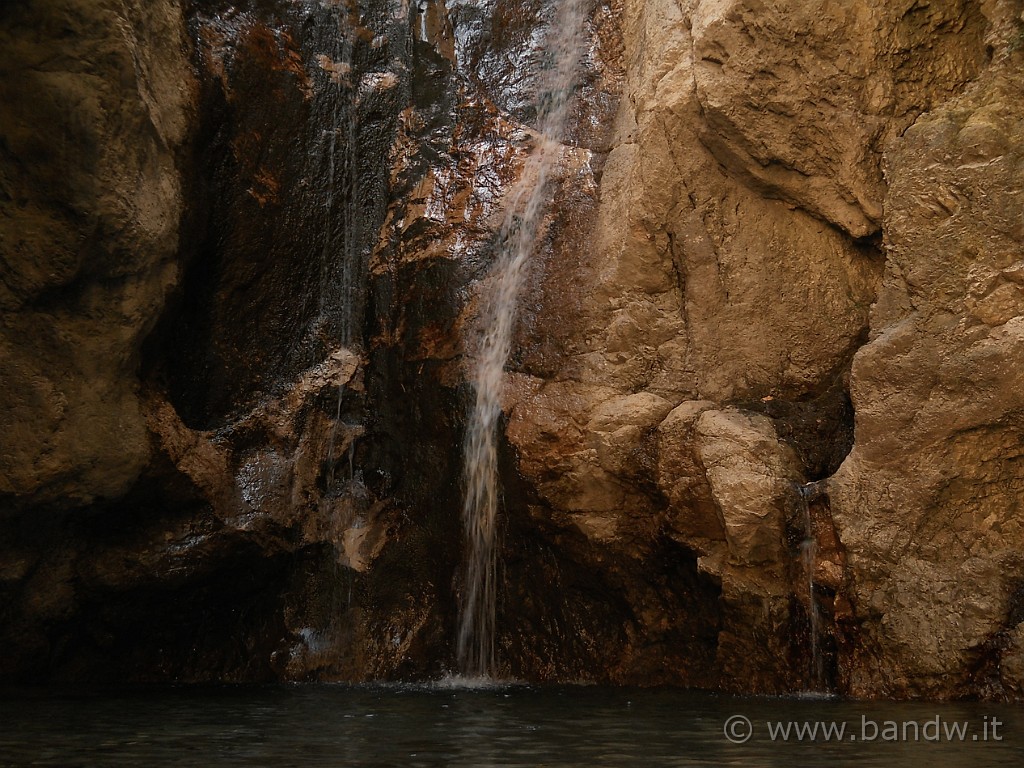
<point x="928" y="503"/>
<point x="97" y="102"/>
<point x="775" y="310"/>
<point x="741" y="260"/>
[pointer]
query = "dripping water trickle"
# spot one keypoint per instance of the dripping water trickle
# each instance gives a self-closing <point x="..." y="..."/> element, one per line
<point x="519" y="231"/>
<point x="809" y="559"/>
<point x="343" y="177"/>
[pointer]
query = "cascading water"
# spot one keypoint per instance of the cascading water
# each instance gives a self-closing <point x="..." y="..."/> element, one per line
<point x="519" y="231"/>
<point x="809" y="555"/>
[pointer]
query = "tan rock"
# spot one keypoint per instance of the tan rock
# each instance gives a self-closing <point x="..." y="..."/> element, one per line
<point x="800" y="99"/>
<point x="693" y="513"/>
<point x="703" y="287"/>
<point x="751" y="476"/>
<point x="928" y="503"/>
<point x="619" y="429"/>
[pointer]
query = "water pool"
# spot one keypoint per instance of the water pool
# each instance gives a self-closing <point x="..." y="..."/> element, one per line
<point x="445" y="725"/>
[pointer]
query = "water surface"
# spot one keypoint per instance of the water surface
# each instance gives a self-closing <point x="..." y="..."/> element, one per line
<point x="325" y="725"/>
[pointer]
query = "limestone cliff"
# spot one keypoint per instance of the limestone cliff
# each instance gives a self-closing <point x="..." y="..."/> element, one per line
<point x="775" y="308"/>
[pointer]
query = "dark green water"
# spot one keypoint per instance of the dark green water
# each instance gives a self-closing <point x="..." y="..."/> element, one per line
<point x="511" y="726"/>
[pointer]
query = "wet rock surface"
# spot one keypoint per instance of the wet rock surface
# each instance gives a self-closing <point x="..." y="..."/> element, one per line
<point x="773" y="309"/>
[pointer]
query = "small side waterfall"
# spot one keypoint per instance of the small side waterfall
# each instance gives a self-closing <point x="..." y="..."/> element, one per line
<point x="519" y="231"/>
<point x="809" y="559"/>
<point x="342" y="248"/>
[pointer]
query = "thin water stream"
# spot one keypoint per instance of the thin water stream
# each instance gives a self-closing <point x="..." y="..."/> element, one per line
<point x="809" y="558"/>
<point x="526" y="207"/>
<point x="342" y="254"/>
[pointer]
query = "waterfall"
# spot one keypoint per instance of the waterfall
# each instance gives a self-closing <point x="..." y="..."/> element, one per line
<point x="516" y="241"/>
<point x="809" y="559"/>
